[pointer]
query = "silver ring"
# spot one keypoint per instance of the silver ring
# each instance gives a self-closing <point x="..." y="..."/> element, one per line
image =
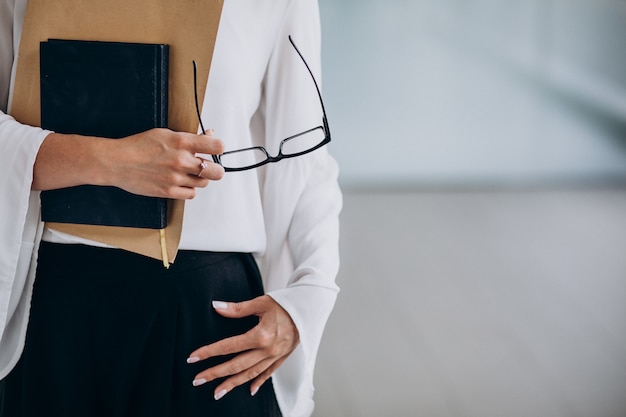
<point x="203" y="166"/>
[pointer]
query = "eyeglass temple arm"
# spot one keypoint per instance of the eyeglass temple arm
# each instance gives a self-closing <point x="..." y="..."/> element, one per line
<point x="319" y="93"/>
<point x="195" y="96"/>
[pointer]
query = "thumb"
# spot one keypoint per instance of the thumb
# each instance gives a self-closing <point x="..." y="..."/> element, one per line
<point x="237" y="310"/>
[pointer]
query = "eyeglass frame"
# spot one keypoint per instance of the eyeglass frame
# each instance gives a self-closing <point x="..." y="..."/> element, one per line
<point x="269" y="158"/>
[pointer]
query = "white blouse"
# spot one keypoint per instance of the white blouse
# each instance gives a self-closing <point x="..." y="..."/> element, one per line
<point x="259" y="92"/>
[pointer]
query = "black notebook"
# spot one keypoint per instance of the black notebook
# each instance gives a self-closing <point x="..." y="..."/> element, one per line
<point x="111" y="90"/>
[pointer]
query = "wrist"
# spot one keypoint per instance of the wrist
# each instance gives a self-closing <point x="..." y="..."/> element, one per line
<point x="100" y="152"/>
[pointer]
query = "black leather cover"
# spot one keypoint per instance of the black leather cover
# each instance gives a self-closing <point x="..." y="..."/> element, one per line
<point x="106" y="89"/>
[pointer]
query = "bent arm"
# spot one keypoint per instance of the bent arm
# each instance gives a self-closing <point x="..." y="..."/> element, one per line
<point x="158" y="162"/>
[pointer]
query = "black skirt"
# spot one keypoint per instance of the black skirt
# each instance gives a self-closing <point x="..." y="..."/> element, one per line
<point x="110" y="332"/>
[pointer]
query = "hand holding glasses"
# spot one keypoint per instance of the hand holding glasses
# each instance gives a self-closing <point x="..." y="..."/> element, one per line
<point x="296" y="145"/>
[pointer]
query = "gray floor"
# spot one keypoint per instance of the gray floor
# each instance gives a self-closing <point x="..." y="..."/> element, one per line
<point x="478" y="304"/>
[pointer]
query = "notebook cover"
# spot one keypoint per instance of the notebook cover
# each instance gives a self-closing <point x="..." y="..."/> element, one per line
<point x="106" y="89"/>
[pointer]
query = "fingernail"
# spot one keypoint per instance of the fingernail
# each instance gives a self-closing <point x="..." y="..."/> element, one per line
<point x="210" y="132"/>
<point x="254" y="391"/>
<point x="198" y="382"/>
<point x="193" y="359"/>
<point x="220" y="305"/>
<point x="220" y="394"/>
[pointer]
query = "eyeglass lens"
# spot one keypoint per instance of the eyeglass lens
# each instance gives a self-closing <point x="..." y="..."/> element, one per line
<point x="296" y="145"/>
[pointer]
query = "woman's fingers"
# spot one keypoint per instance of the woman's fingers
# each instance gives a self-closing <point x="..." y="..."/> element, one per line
<point x="207" y="170"/>
<point x="207" y="144"/>
<point x="264" y="376"/>
<point x="243" y="377"/>
<point x="242" y="369"/>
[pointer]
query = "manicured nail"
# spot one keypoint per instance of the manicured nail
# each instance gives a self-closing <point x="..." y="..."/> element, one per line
<point x="220" y="305"/>
<point x="254" y="391"/>
<point x="198" y="382"/>
<point x="220" y="394"/>
<point x="193" y="359"/>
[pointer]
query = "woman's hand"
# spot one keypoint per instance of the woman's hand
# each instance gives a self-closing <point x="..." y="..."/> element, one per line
<point x="163" y="163"/>
<point x="260" y="351"/>
<point x="157" y="163"/>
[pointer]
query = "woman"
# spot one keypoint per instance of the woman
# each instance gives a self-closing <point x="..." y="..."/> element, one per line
<point x="114" y="334"/>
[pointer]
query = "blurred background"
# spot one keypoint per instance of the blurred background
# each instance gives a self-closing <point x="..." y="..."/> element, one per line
<point x="482" y="146"/>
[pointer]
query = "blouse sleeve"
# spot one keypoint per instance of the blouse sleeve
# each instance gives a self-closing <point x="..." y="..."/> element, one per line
<point x="19" y="207"/>
<point x="301" y="202"/>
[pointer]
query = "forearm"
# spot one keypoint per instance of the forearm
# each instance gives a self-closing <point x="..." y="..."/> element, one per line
<point x="69" y="160"/>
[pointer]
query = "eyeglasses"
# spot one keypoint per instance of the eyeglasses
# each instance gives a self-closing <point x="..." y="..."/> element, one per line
<point x="296" y="145"/>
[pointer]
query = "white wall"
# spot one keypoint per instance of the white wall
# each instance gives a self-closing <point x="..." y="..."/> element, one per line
<point x="476" y="91"/>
